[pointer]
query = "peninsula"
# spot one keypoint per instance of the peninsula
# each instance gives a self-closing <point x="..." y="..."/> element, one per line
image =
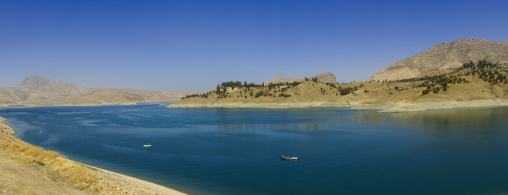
<point x="463" y="73"/>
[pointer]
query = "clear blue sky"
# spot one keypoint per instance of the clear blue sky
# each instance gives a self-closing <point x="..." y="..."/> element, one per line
<point x="187" y="45"/>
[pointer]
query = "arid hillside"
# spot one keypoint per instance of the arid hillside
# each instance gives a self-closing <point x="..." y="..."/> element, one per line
<point x="483" y="83"/>
<point x="36" y="91"/>
<point x="445" y="56"/>
<point x="28" y="169"/>
<point x="323" y="77"/>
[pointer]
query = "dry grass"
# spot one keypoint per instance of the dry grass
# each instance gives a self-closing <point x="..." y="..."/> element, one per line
<point x="368" y="92"/>
<point x="56" y="166"/>
<point x="27" y="169"/>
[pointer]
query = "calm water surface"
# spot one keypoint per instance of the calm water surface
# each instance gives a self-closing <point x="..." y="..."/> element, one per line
<point x="237" y="151"/>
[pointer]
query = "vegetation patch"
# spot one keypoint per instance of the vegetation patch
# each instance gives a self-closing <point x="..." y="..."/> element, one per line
<point x="38" y="162"/>
<point x="473" y="80"/>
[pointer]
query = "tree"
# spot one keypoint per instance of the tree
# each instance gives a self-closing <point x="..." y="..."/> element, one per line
<point x="436" y="90"/>
<point x="315" y="79"/>
<point x="259" y="93"/>
<point x="295" y="83"/>
<point x="306" y="79"/>
<point x="271" y="86"/>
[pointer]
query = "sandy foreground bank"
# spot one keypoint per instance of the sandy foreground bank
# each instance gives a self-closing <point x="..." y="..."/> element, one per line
<point x="27" y="169"/>
<point x="382" y="107"/>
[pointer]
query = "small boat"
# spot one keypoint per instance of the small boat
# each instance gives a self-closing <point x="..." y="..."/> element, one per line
<point x="147" y="145"/>
<point x="288" y="158"/>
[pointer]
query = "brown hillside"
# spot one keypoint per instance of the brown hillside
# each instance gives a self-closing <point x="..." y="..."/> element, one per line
<point x="463" y="87"/>
<point x="28" y="169"/>
<point x="445" y="56"/>
<point x="36" y="91"/>
<point x="323" y="77"/>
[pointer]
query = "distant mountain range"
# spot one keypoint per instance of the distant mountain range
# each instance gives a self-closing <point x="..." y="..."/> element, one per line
<point x="39" y="91"/>
<point x="445" y="56"/>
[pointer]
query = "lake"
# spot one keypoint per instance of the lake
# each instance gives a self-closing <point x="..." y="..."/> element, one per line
<point x="237" y="151"/>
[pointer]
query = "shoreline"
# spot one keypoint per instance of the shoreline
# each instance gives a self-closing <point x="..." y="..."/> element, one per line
<point x="380" y="107"/>
<point x="25" y="165"/>
<point x="85" y="105"/>
<point x="131" y="184"/>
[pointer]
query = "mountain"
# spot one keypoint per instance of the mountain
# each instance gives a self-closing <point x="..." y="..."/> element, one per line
<point x="444" y="82"/>
<point x="323" y="77"/>
<point x="45" y="84"/>
<point x="445" y="56"/>
<point x="36" y="90"/>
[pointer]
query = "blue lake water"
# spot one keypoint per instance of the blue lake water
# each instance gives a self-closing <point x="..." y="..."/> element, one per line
<point x="237" y="151"/>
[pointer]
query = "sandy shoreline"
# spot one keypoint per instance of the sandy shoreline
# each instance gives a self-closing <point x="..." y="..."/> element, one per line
<point x="134" y="185"/>
<point x="381" y="107"/>
<point x="28" y="169"/>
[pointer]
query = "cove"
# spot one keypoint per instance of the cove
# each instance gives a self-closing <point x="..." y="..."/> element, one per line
<point x="237" y="151"/>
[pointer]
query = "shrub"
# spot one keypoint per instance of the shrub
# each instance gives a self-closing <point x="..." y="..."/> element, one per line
<point x="38" y="162"/>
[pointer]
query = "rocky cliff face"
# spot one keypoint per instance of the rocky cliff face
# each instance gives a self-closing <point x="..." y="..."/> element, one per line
<point x="445" y="56"/>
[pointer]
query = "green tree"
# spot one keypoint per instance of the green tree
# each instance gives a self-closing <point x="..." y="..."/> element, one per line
<point x="436" y="90"/>
<point x="296" y="83"/>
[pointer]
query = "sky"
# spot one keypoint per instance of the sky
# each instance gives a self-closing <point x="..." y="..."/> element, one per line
<point x="192" y="45"/>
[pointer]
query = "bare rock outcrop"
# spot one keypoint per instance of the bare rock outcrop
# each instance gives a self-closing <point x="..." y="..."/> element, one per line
<point x="445" y="56"/>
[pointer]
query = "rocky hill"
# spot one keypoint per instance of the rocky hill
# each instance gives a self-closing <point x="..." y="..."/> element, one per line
<point x="480" y="83"/>
<point x="36" y="90"/>
<point x="323" y="77"/>
<point x="445" y="56"/>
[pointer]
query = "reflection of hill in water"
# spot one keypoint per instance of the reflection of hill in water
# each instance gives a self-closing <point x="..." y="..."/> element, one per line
<point x="467" y="121"/>
<point x="459" y="117"/>
<point x="457" y="122"/>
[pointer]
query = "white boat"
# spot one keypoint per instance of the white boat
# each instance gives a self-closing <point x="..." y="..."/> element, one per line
<point x="288" y="157"/>
<point x="147" y="145"/>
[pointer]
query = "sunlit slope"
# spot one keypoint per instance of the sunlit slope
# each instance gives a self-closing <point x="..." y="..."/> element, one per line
<point x="445" y="56"/>
<point x="462" y="85"/>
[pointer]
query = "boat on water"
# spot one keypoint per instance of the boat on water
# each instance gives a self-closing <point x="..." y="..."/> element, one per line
<point x="147" y="145"/>
<point x="288" y="157"/>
